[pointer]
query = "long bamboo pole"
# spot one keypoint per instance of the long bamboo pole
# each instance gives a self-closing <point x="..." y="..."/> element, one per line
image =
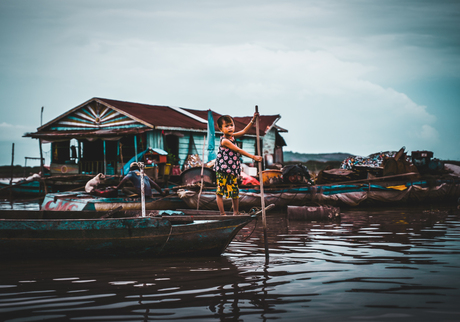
<point x="141" y="168"/>
<point x="262" y="197"/>
<point x="202" y="170"/>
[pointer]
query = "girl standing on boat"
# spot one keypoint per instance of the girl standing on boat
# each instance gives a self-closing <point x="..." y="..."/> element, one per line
<point x="227" y="165"/>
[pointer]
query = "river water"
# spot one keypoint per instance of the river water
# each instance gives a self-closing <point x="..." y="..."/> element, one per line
<point x="388" y="264"/>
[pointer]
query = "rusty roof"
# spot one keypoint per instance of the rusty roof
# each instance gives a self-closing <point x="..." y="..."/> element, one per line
<point x="158" y="116"/>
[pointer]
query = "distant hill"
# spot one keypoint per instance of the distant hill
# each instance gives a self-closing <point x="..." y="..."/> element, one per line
<point x="320" y="157"/>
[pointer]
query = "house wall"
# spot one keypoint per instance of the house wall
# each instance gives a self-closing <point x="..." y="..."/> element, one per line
<point x="268" y="144"/>
<point x="248" y="144"/>
<point x="155" y="139"/>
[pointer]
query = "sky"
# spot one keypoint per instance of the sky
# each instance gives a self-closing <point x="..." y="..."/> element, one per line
<point x="355" y="76"/>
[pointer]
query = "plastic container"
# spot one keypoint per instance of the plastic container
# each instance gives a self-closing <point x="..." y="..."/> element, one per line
<point x="272" y="176"/>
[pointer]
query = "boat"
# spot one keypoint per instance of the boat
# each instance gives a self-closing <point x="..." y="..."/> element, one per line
<point x="82" y="201"/>
<point x="22" y="188"/>
<point x="351" y="194"/>
<point x="161" y="233"/>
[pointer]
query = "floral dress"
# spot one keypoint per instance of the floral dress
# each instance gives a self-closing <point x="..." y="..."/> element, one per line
<point x="228" y="168"/>
<point x="228" y="161"/>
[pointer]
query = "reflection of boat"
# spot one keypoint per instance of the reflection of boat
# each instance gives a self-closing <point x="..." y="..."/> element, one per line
<point x="181" y="289"/>
<point x="349" y="194"/>
<point x="83" y="201"/>
<point x="51" y="234"/>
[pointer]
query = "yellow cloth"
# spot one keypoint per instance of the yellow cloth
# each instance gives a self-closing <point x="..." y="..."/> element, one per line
<point x="401" y="187"/>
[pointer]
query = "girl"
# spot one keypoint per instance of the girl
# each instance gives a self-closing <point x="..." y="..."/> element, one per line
<point x="227" y="164"/>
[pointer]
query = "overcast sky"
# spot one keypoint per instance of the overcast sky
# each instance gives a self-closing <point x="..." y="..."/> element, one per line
<point x="345" y="76"/>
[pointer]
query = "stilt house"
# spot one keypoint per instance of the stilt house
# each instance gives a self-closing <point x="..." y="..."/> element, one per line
<point x="102" y="135"/>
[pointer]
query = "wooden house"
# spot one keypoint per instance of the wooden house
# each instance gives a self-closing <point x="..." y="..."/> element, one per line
<point x="102" y="135"/>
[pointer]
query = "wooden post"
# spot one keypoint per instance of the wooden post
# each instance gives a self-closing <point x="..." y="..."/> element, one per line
<point x="105" y="160"/>
<point x="12" y="170"/>
<point x="262" y="197"/>
<point x="41" y="164"/>
<point x="141" y="168"/>
<point x="135" y="147"/>
<point x="202" y="170"/>
<point x="42" y="172"/>
<point x="121" y="158"/>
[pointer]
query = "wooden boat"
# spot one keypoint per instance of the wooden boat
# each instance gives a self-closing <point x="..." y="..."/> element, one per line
<point x="346" y="194"/>
<point x="22" y="188"/>
<point x="85" y="234"/>
<point x="82" y="201"/>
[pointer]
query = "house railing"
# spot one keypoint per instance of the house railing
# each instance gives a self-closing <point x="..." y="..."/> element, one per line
<point x="95" y="167"/>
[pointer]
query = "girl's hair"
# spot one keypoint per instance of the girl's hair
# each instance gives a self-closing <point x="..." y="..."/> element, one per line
<point x="224" y="118"/>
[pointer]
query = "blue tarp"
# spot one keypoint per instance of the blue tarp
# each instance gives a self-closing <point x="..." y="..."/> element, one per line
<point x="211" y="137"/>
<point x="139" y="157"/>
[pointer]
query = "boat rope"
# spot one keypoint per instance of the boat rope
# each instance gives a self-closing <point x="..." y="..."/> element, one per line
<point x="167" y="239"/>
<point x="253" y="229"/>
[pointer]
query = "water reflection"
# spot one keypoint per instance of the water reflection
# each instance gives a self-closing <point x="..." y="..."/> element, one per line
<point x="372" y="265"/>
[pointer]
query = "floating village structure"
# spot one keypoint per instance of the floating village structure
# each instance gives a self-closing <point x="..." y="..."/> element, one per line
<point x="104" y="135"/>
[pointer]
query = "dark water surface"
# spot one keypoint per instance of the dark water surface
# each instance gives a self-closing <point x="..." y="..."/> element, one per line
<point x="389" y="264"/>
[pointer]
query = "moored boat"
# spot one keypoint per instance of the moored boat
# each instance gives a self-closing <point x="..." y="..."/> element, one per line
<point x="86" y="234"/>
<point x="82" y="201"/>
<point x="22" y="188"/>
<point x="347" y="194"/>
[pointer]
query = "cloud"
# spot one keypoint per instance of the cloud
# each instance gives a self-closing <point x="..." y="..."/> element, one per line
<point x="10" y="132"/>
<point x="314" y="91"/>
<point x="333" y="70"/>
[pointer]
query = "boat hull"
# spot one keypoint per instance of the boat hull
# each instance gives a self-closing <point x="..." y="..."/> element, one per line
<point x="333" y="195"/>
<point x="125" y="237"/>
<point x="31" y="188"/>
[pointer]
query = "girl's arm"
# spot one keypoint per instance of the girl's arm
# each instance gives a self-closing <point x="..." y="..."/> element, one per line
<point x="226" y="143"/>
<point x="248" y="127"/>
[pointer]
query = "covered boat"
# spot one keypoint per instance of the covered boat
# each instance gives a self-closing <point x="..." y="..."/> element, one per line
<point x="347" y="194"/>
<point x="86" y="234"/>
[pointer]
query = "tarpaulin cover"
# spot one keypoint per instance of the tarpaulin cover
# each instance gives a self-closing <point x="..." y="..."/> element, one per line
<point x="348" y="195"/>
<point x="139" y="157"/>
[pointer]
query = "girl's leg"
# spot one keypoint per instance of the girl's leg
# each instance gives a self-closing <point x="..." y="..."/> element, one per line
<point x="236" y="204"/>
<point x="220" y="204"/>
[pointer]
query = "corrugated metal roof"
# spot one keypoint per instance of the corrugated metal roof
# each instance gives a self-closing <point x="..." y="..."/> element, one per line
<point x="265" y="121"/>
<point x="156" y="115"/>
<point x="115" y="116"/>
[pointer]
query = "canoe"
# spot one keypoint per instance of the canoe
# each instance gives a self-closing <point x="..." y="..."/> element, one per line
<point x="352" y="194"/>
<point x="46" y="234"/>
<point x="82" y="201"/>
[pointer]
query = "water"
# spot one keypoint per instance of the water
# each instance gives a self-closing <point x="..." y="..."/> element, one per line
<point x="392" y="264"/>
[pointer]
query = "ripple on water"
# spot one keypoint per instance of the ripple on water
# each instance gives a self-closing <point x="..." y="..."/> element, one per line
<point x="374" y="265"/>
